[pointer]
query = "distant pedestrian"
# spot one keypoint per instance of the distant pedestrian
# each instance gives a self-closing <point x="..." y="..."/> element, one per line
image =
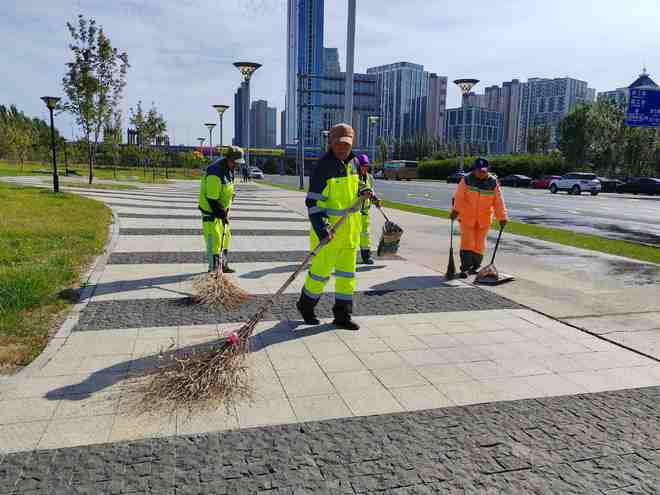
<point x="477" y="198"/>
<point x="245" y="173"/>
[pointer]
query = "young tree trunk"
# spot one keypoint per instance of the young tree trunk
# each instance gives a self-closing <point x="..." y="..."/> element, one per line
<point x="91" y="162"/>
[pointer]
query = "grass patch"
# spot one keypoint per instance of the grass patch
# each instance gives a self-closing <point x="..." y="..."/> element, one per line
<point x="560" y="236"/>
<point x="46" y="239"/>
<point x="81" y="171"/>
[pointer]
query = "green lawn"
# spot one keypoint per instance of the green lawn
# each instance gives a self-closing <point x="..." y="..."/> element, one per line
<point x="559" y="236"/>
<point x="123" y="173"/>
<point x="46" y="240"/>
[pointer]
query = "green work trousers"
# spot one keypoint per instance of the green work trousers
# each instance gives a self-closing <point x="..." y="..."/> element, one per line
<point x="342" y="262"/>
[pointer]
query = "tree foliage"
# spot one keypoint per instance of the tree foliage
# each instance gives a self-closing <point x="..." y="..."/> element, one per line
<point x="94" y="81"/>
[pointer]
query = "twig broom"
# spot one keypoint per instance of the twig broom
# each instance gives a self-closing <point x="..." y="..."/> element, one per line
<point x="218" y="289"/>
<point x="220" y="373"/>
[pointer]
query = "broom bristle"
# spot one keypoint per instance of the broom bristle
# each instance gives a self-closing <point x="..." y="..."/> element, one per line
<point x="203" y="378"/>
<point x="216" y="288"/>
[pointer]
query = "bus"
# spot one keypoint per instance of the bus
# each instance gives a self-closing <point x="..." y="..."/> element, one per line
<point x="400" y="169"/>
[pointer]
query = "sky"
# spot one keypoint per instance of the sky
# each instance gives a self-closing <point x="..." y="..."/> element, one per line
<point x="181" y="51"/>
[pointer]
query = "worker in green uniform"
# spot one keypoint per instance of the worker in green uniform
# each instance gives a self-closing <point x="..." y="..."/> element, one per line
<point x="216" y="194"/>
<point x="365" y="235"/>
<point x="334" y="191"/>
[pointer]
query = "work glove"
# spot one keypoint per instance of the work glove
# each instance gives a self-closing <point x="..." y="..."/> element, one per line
<point x="503" y="222"/>
<point x="453" y="214"/>
<point x="327" y="236"/>
<point x="366" y="193"/>
<point x="224" y="220"/>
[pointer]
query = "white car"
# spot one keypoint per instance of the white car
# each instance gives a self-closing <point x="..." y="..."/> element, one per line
<point x="577" y="183"/>
<point x="256" y="173"/>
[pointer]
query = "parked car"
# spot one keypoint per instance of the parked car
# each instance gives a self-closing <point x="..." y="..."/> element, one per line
<point x="544" y="181"/>
<point x="256" y="173"/>
<point x="516" y="180"/>
<point x="641" y="185"/>
<point x="576" y="183"/>
<point x="609" y="185"/>
<point x="455" y="178"/>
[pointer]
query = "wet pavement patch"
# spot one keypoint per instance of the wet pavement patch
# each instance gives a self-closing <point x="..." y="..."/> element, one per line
<point x="200" y="257"/>
<point x="630" y="273"/>
<point x="234" y="232"/>
<point x="138" y="313"/>
<point x="585" y="444"/>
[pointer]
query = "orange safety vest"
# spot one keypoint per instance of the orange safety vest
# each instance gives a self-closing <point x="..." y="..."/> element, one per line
<point x="476" y="201"/>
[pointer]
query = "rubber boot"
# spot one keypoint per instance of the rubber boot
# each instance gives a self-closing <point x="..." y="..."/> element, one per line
<point x="306" y="307"/>
<point x="366" y="257"/>
<point x="476" y="263"/>
<point x="466" y="263"/>
<point x="225" y="261"/>
<point x="342" y="312"/>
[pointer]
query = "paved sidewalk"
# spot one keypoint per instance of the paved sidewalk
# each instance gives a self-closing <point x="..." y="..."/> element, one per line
<point x="426" y="344"/>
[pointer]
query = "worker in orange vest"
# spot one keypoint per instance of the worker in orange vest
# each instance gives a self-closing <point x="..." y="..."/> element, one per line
<point x="477" y="198"/>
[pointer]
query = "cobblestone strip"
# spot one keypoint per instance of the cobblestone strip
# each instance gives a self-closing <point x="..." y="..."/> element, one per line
<point x="234" y="232"/>
<point x="119" y="314"/>
<point x="200" y="257"/>
<point x="199" y="217"/>
<point x="606" y="443"/>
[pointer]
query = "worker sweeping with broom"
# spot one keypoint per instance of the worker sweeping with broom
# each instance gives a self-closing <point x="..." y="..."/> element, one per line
<point x="334" y="191"/>
<point x="477" y="198"/>
<point x="216" y="194"/>
<point x="365" y="235"/>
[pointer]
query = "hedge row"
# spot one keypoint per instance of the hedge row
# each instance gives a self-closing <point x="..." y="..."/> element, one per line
<point x="530" y="165"/>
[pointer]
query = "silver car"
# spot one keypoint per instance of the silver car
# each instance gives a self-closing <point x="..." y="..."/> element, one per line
<point x="577" y="183"/>
<point x="256" y="173"/>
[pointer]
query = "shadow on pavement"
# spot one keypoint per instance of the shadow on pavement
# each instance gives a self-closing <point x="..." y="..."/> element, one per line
<point x="145" y="366"/>
<point x="145" y="283"/>
<point x="410" y="283"/>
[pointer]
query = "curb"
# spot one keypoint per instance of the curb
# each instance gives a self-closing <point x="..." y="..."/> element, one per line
<point x="89" y="283"/>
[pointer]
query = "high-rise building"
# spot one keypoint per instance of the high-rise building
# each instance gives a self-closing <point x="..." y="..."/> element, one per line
<point x="506" y="99"/>
<point x="403" y="89"/>
<point x="483" y="128"/>
<point x="474" y="100"/>
<point x="238" y="116"/>
<point x="436" y="105"/>
<point x="304" y="56"/>
<point x="331" y="61"/>
<point x="283" y="128"/>
<point x="263" y="125"/>
<point x="545" y="102"/>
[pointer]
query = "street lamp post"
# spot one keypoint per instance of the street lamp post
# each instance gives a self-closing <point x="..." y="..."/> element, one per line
<point x="246" y="69"/>
<point x="465" y="86"/>
<point x="350" y="62"/>
<point x="210" y="126"/>
<point x="221" y="110"/>
<point x="51" y="103"/>
<point x="201" y="145"/>
<point x="373" y="121"/>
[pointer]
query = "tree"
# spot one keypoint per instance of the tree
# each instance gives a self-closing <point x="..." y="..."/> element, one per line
<point x="94" y="81"/>
<point x="539" y="139"/>
<point x="381" y="150"/>
<point x="150" y="125"/>
<point x="607" y="135"/>
<point x="112" y="135"/>
<point x="574" y="136"/>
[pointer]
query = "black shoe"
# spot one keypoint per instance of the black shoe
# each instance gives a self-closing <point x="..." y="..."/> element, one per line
<point x="346" y="323"/>
<point x="462" y="275"/>
<point x="307" y="313"/>
<point x="366" y="257"/>
<point x="474" y="270"/>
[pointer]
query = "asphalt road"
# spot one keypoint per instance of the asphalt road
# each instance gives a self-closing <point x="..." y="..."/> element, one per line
<point x="632" y="218"/>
